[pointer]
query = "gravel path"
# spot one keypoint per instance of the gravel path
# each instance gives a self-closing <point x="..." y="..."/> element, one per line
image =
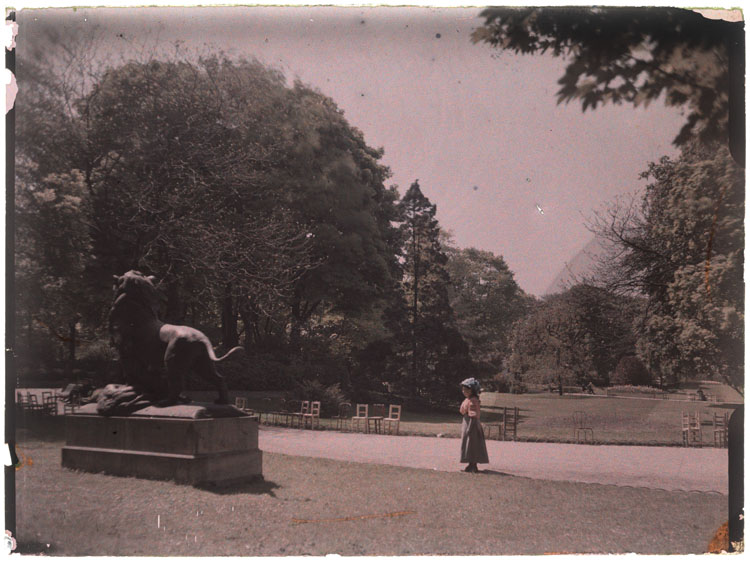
<point x="668" y="468"/>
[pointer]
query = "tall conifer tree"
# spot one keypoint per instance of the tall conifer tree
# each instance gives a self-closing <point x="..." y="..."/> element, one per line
<point x="438" y="356"/>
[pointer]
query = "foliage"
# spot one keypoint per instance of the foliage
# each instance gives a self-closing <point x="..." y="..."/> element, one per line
<point x="684" y="250"/>
<point x="630" y="56"/>
<point x="486" y="301"/>
<point x="433" y="355"/>
<point x="330" y="397"/>
<point x="52" y="244"/>
<point x="255" y="204"/>
<point x="631" y="371"/>
<point x="574" y="337"/>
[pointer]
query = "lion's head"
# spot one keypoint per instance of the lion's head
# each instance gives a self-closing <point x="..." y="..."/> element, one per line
<point x="136" y="287"/>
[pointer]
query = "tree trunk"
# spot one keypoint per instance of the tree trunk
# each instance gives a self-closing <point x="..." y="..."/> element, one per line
<point x="415" y="301"/>
<point x="229" y="335"/>
<point x="70" y="362"/>
<point x="250" y="320"/>
<point x="295" y="328"/>
<point x="174" y="312"/>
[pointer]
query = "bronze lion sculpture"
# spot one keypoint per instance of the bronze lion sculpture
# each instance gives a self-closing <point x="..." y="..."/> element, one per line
<point x="147" y="346"/>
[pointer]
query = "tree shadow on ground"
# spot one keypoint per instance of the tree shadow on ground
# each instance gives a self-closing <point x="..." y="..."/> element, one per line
<point x="257" y="486"/>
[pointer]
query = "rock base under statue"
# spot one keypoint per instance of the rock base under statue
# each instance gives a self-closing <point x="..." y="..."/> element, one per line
<point x="197" y="444"/>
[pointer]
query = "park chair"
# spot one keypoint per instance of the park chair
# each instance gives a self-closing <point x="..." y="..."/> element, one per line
<point x="376" y="419"/>
<point x="345" y="416"/>
<point x="285" y="414"/>
<point x="721" y="430"/>
<point x="692" y="433"/>
<point x="393" y="418"/>
<point x="69" y="408"/>
<point x="22" y="402"/>
<point x="49" y="403"/>
<point x="360" y="417"/>
<point x="289" y="410"/>
<point x="71" y="394"/>
<point x="495" y="425"/>
<point x="582" y="427"/>
<point x="275" y="416"/>
<point x="33" y="402"/>
<point x="313" y="415"/>
<point x="507" y="426"/>
<point x="510" y="423"/>
<point x="298" y="416"/>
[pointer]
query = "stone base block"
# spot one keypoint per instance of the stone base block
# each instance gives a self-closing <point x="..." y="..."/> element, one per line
<point x="203" y="451"/>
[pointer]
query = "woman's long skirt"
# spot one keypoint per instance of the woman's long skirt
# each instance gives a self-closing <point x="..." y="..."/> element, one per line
<point x="473" y="448"/>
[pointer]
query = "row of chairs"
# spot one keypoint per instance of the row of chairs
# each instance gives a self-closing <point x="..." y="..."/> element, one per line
<point x="370" y="420"/>
<point x="28" y="401"/>
<point x="692" y="429"/>
<point x="307" y="413"/>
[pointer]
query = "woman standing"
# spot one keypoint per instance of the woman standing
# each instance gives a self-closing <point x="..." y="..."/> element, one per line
<point x="473" y="448"/>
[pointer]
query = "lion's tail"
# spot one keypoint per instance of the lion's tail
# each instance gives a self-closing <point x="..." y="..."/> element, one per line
<point x="231" y="351"/>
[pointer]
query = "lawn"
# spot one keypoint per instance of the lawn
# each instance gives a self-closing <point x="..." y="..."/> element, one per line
<point x="548" y="417"/>
<point x="309" y="506"/>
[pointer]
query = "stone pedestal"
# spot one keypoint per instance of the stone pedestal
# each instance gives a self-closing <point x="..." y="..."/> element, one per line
<point x="191" y="444"/>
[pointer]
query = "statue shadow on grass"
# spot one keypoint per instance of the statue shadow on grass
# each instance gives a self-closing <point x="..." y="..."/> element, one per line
<point x="258" y="486"/>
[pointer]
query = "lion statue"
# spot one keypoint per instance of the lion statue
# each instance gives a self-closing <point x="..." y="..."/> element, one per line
<point x="147" y="345"/>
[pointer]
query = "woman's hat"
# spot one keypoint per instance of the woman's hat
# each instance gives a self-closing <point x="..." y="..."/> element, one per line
<point x="472" y="384"/>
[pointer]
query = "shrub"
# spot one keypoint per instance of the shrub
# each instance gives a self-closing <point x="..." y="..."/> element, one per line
<point x="631" y="371"/>
<point x="330" y="397"/>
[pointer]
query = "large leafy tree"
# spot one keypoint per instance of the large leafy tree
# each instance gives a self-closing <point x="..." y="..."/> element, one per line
<point x="486" y="301"/>
<point x="256" y="204"/>
<point x="683" y="249"/>
<point x="573" y="337"/>
<point x="181" y="172"/>
<point x="635" y="56"/>
<point x="51" y="244"/>
<point x="333" y="183"/>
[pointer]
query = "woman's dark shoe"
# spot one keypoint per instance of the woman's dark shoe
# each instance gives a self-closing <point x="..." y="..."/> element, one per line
<point x="471" y="468"/>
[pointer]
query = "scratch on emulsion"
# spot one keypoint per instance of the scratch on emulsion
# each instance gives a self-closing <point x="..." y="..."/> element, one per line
<point x="349" y="518"/>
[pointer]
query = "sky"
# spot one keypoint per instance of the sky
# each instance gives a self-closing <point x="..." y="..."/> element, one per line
<point x="480" y="128"/>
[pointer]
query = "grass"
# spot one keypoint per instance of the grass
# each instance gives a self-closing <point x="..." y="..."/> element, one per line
<point x="548" y="417"/>
<point x="312" y="506"/>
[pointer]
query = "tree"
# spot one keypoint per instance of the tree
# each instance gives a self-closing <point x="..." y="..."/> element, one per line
<point x="333" y="184"/>
<point x="422" y="319"/>
<point x="51" y="242"/>
<point x="683" y="249"/>
<point x="574" y="337"/>
<point x="635" y="56"/>
<point x="631" y="371"/>
<point x="256" y="205"/>
<point x="486" y="301"/>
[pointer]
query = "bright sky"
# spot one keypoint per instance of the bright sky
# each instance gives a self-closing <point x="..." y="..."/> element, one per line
<point x="479" y="128"/>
